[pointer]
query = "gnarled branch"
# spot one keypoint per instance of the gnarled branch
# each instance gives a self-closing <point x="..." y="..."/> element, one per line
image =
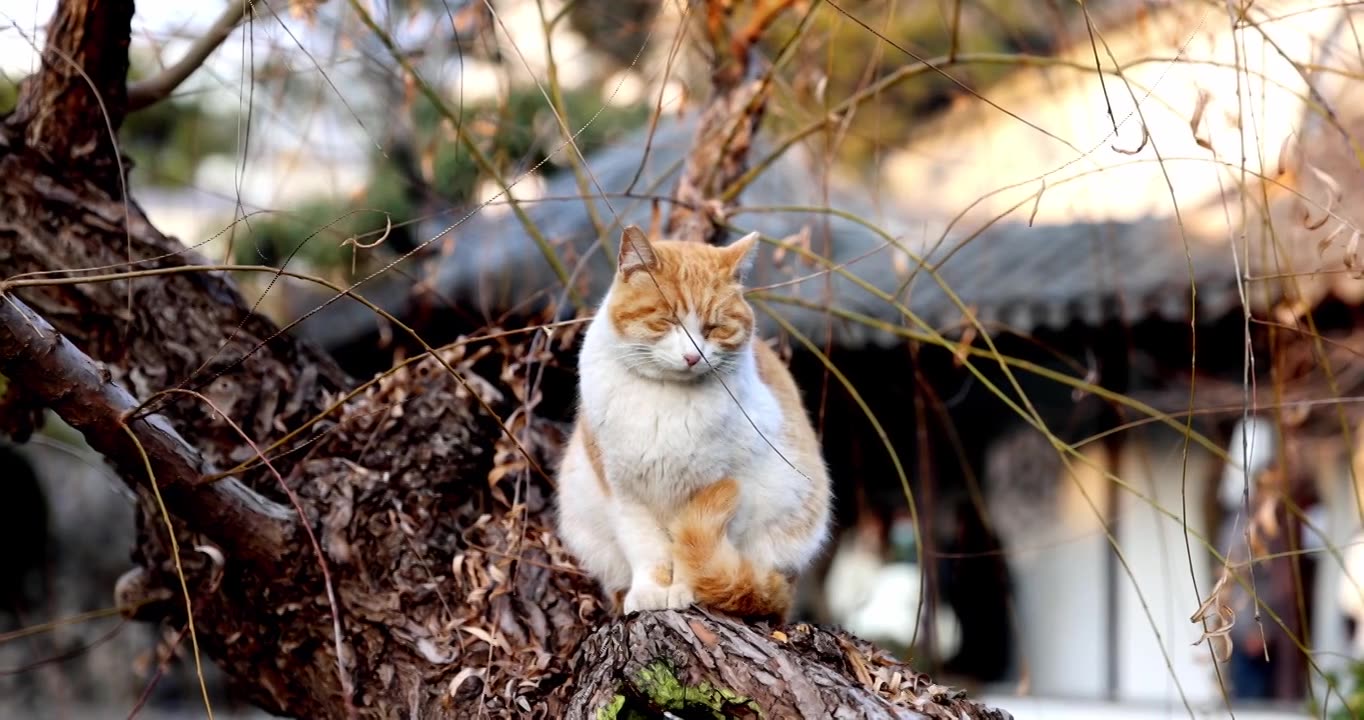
<point x="719" y="153"/>
<point x="49" y="368"/>
<point x="692" y="663"/>
<point x="455" y="597"/>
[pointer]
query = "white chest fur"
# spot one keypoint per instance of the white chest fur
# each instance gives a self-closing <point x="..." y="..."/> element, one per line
<point x="662" y="439"/>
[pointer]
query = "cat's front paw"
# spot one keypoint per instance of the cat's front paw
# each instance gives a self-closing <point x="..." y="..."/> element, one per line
<point x="680" y="596"/>
<point x="646" y="596"/>
<point x="652" y="596"/>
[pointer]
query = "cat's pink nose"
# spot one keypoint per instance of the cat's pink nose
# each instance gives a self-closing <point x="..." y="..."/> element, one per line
<point x="691" y="359"/>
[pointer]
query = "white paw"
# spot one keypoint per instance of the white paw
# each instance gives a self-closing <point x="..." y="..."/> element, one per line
<point x="646" y="596"/>
<point x="680" y="596"/>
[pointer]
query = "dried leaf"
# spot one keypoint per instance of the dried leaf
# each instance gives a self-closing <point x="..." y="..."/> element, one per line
<point x="1325" y="242"/>
<point x="1288" y="152"/>
<point x="1215" y="610"/>
<point x="1333" y="187"/>
<point x="461" y="677"/>
<point x="487" y="637"/>
<point x="964" y="345"/>
<point x="1352" y="262"/>
<point x="859" y="665"/>
<point x="1200" y="105"/>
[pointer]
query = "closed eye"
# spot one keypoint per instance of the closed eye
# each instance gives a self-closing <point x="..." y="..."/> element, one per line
<point x="660" y="325"/>
<point x="709" y="328"/>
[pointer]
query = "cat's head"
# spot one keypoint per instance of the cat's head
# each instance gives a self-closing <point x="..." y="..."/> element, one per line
<point x="678" y="307"/>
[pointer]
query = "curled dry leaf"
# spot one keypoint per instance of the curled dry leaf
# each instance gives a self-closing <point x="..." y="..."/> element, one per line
<point x="1215" y="610"/>
<point x="1288" y="154"/>
<point x="463" y="676"/>
<point x="1331" y="199"/>
<point x="1325" y="243"/>
<point x="858" y="664"/>
<point x="1266" y="521"/>
<point x="219" y="564"/>
<point x="1352" y="262"/>
<point x="1200" y="106"/>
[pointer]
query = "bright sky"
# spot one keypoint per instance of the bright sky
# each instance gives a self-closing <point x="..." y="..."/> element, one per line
<point x="337" y="160"/>
<point x="157" y="18"/>
<point x="295" y="152"/>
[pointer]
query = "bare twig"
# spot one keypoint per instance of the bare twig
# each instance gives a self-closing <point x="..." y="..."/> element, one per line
<point x="158" y="88"/>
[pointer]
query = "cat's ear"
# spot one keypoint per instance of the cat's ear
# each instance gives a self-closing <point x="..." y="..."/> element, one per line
<point x="635" y="253"/>
<point x="741" y="254"/>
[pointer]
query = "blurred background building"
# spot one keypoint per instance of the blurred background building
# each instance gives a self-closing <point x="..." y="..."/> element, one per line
<point x="1164" y="250"/>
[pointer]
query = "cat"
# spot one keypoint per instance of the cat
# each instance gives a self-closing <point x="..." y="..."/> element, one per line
<point x="693" y="473"/>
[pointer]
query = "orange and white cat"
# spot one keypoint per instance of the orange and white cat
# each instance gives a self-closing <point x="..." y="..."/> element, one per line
<point x="693" y="473"/>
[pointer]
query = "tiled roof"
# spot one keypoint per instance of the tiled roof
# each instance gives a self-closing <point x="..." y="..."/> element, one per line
<point x="1023" y="277"/>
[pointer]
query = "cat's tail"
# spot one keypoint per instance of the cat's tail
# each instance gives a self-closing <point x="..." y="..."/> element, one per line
<point x="706" y="559"/>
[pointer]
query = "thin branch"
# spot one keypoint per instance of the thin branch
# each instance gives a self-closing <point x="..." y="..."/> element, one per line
<point x="158" y="88"/>
<point x="175" y="555"/>
<point x="80" y="390"/>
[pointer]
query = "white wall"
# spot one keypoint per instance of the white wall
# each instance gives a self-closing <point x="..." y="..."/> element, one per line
<point x="1153" y="544"/>
<point x="1329" y="641"/>
<point x="1058" y="571"/>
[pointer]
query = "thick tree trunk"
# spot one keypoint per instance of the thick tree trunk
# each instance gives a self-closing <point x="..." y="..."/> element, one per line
<point x="694" y="664"/>
<point x="435" y="587"/>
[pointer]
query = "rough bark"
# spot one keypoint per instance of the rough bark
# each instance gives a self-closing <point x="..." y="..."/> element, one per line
<point x="83" y="80"/>
<point x="48" y="366"/>
<point x="719" y="152"/>
<point x="452" y="597"/>
<point x="694" y="664"/>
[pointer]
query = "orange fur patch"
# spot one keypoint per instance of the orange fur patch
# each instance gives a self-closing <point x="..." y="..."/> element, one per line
<point x="719" y="576"/>
<point x="663" y="575"/>
<point x="593" y="456"/>
<point x="684" y="277"/>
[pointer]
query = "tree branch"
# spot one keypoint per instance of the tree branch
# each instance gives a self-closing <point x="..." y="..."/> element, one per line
<point x="692" y="663"/>
<point x="456" y="599"/>
<point x="719" y="152"/>
<point x="49" y="368"/>
<point x="158" y="88"/>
